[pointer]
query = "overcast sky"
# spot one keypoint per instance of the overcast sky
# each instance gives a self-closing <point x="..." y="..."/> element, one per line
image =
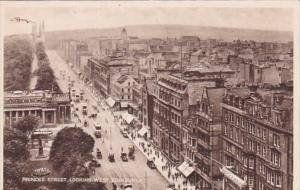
<point x="64" y="18"/>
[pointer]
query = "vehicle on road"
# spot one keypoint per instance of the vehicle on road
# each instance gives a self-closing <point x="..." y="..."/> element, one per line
<point x="77" y="97"/>
<point x="124" y="157"/>
<point x="128" y="187"/>
<point x="98" y="134"/>
<point x="150" y="164"/>
<point x="93" y="115"/>
<point x="85" y="123"/>
<point x="73" y="92"/>
<point x="95" y="163"/>
<point x="81" y="94"/>
<point x="97" y="126"/>
<point x="99" y="154"/>
<point x="84" y="109"/>
<point x="111" y="157"/>
<point x="131" y="151"/>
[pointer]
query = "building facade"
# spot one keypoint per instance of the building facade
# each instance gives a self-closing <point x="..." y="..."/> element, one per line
<point x="257" y="138"/>
<point x="50" y="108"/>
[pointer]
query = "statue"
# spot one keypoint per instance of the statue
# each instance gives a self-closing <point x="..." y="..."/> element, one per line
<point x="41" y="150"/>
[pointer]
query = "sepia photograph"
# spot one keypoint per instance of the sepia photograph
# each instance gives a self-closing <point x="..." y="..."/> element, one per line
<point x="148" y="95"/>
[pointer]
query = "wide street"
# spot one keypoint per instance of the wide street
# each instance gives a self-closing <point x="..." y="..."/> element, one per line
<point x="136" y="170"/>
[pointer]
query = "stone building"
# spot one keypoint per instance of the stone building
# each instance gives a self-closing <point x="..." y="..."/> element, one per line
<point x="257" y="136"/>
<point x="102" y="71"/>
<point x="175" y="98"/>
<point x="50" y="108"/>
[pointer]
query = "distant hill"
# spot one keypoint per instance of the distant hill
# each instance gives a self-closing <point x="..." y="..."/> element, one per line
<point x="162" y="31"/>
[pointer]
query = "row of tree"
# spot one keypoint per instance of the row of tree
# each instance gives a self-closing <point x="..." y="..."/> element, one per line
<point x="46" y="78"/>
<point x="18" y="57"/>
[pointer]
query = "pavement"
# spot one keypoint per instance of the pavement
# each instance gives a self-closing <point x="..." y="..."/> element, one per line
<point x="137" y="172"/>
<point x="168" y="172"/>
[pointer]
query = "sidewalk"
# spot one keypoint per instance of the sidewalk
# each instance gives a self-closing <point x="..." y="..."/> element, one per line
<point x="168" y="172"/>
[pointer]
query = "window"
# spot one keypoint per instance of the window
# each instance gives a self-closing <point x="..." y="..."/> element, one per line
<point x="122" y="97"/>
<point x="258" y="149"/>
<point x="128" y="96"/>
<point x="231" y="118"/>
<point x="276" y="140"/>
<point x="264" y="151"/>
<point x="122" y="89"/>
<point x="225" y="129"/>
<point x="268" y="176"/>
<point x="264" y="134"/>
<point x="243" y="123"/>
<point x="272" y="178"/>
<point x="251" y="163"/>
<point x="237" y="135"/>
<point x="251" y="180"/>
<point x="128" y="83"/>
<point x="238" y="120"/>
<point x="231" y="132"/>
<point x="278" y="180"/>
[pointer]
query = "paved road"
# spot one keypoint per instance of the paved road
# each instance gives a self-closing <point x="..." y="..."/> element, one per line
<point x="136" y="170"/>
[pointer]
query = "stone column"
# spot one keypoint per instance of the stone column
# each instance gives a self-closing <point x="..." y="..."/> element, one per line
<point x="43" y="116"/>
<point x="54" y="114"/>
<point x="10" y="115"/>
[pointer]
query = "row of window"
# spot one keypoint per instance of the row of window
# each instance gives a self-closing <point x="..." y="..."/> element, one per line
<point x="164" y="112"/>
<point x="168" y="98"/>
<point x="272" y="177"/>
<point x="256" y="147"/>
<point x="255" y="130"/>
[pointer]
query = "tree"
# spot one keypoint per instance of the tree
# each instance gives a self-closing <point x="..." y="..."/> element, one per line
<point x="27" y="124"/>
<point x="15" y="145"/>
<point x="18" y="57"/>
<point x="68" y="143"/>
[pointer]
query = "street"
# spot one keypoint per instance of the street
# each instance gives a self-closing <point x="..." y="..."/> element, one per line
<point x="137" y="170"/>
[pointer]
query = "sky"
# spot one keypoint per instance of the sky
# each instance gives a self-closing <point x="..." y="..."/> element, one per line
<point x="65" y="18"/>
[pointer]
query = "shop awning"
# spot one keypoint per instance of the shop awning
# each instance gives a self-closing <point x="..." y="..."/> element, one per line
<point x="124" y="104"/>
<point x="186" y="169"/>
<point x="143" y="131"/>
<point x="111" y="102"/>
<point x="234" y="178"/>
<point x="128" y="118"/>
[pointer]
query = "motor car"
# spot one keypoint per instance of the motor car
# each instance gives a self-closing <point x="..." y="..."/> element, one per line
<point x="97" y="126"/>
<point x="98" y="134"/>
<point x="128" y="187"/>
<point x="150" y="164"/>
<point x="111" y="157"/>
<point x="85" y="123"/>
<point x="99" y="154"/>
<point x="124" y="157"/>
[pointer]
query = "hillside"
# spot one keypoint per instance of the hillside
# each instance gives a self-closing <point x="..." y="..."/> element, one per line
<point x="162" y="31"/>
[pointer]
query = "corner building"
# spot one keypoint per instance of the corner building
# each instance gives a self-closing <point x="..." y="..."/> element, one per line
<point x="257" y="135"/>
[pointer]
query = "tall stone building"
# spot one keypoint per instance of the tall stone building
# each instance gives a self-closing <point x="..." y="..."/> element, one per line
<point x="258" y="139"/>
